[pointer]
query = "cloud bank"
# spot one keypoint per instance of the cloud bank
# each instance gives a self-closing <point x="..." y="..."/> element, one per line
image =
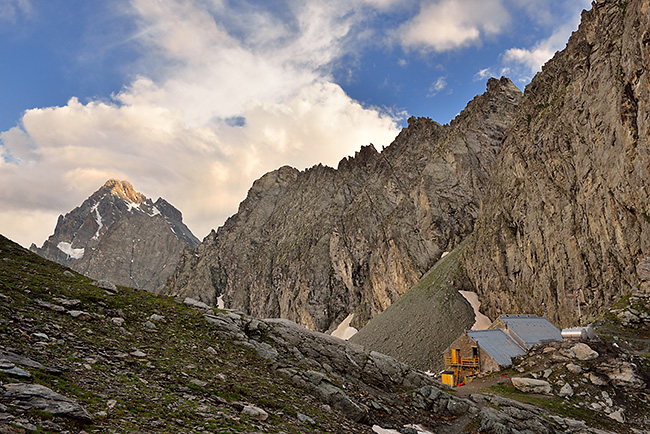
<point x="224" y="102"/>
<point x="225" y="91"/>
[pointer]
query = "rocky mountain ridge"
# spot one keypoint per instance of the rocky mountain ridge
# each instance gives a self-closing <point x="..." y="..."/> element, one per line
<point x="565" y="216"/>
<point x="318" y="245"/>
<point x="120" y="235"/>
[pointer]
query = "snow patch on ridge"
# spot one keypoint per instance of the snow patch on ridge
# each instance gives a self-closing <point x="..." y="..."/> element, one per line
<point x="68" y="250"/>
<point x="98" y="219"/>
<point x="130" y="205"/>
<point x="154" y="212"/>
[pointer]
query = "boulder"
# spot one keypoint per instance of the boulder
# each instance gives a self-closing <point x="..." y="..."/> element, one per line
<point x="191" y="302"/>
<point x="80" y="314"/>
<point x="584" y="352"/>
<point x="617" y="416"/>
<point x="38" y="397"/>
<point x="531" y="385"/>
<point x="566" y="390"/>
<point x="107" y="285"/>
<point x="255" y="412"/>
<point x="573" y="368"/>
<point x="597" y="380"/>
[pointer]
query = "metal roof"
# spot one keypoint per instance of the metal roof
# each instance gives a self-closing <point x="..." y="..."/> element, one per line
<point x="532" y="329"/>
<point x="497" y="344"/>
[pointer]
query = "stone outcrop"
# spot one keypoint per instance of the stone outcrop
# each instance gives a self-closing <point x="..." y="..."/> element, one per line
<point x="38" y="397"/>
<point x="612" y="385"/>
<point x="120" y="235"/>
<point x="564" y="219"/>
<point x="318" y="245"/>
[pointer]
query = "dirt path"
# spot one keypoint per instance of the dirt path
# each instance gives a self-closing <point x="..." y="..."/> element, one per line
<point x="480" y="384"/>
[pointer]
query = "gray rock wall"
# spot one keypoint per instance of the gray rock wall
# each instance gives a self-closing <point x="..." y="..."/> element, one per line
<point x="565" y="216"/>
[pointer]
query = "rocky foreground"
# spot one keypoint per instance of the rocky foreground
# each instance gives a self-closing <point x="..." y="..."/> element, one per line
<point x="78" y="355"/>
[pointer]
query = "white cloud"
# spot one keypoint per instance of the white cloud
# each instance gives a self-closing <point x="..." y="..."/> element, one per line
<point x="449" y="24"/>
<point x="483" y="74"/>
<point x="437" y="86"/>
<point x="170" y="132"/>
<point x="387" y="4"/>
<point x="532" y="58"/>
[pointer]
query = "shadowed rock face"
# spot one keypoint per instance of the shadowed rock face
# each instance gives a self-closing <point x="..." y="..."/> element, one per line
<point x="120" y="235"/>
<point x="317" y="245"/>
<point x="565" y="217"/>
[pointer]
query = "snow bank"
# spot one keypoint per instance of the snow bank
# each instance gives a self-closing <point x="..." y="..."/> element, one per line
<point x="68" y="250"/>
<point x="481" y="322"/>
<point x="344" y="331"/>
<point x="154" y="212"/>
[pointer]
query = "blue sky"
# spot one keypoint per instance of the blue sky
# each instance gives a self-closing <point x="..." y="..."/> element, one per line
<point x="192" y="100"/>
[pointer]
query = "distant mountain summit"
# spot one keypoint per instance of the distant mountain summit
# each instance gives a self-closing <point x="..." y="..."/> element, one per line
<point x="120" y="235"/>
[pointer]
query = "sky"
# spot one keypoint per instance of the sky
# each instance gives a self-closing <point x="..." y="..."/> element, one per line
<point x="192" y="100"/>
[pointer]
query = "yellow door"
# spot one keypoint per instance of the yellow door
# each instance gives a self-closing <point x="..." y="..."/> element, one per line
<point x="455" y="356"/>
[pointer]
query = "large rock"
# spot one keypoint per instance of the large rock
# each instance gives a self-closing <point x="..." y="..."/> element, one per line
<point x="35" y="396"/>
<point x="564" y="219"/>
<point x="566" y="390"/>
<point x="531" y="385"/>
<point x="341" y="373"/>
<point x="119" y="235"/>
<point x="317" y="245"/>
<point x="584" y="352"/>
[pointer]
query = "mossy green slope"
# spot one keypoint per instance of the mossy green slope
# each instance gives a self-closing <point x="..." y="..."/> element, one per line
<point x="425" y="320"/>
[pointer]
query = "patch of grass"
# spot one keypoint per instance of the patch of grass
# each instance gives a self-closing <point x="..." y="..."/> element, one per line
<point x="564" y="407"/>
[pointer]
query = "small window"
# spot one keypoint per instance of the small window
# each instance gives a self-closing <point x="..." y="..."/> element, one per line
<point x="474" y="351"/>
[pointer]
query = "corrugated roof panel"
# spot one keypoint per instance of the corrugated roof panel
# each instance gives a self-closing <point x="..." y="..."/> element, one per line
<point x="498" y="345"/>
<point x="532" y="329"/>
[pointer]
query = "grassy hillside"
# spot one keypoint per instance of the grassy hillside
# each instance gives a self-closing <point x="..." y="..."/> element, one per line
<point x="172" y="374"/>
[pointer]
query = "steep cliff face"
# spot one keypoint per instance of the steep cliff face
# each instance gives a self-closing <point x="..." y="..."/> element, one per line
<point x="120" y="235"/>
<point x="566" y="214"/>
<point x="314" y="246"/>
